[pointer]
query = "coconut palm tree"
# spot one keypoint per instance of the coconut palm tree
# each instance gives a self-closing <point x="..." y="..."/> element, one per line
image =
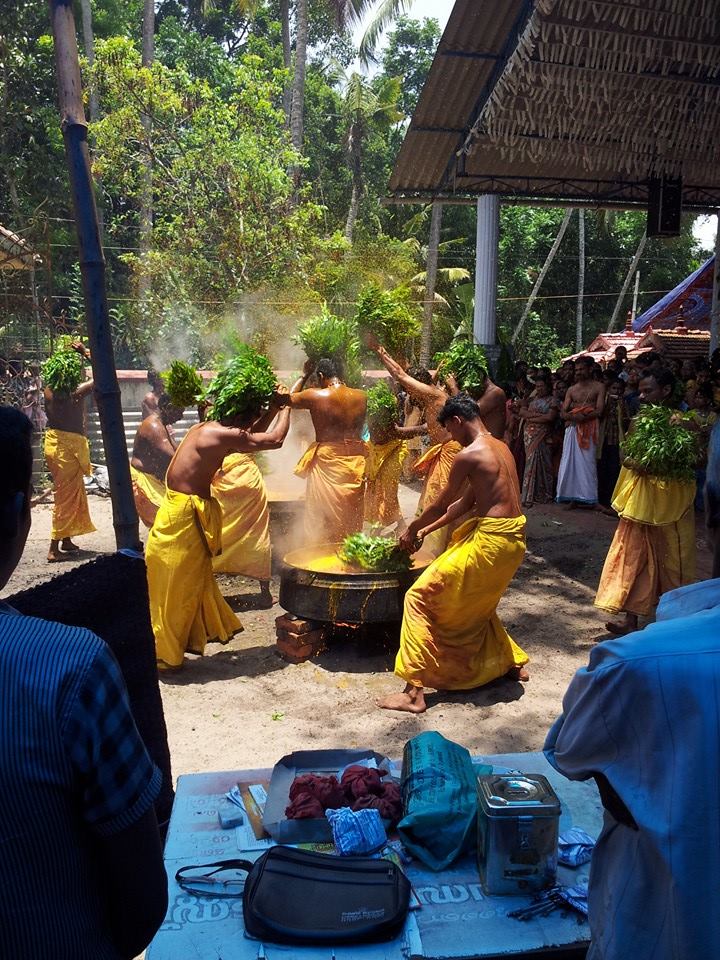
<point x="365" y="107"/>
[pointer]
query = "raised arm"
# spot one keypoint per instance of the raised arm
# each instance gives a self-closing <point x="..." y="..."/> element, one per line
<point x="414" y="387"/>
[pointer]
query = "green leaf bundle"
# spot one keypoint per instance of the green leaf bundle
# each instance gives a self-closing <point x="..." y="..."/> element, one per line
<point x="334" y="338"/>
<point x="244" y="386"/>
<point x="467" y="363"/>
<point x="183" y="384"/>
<point x="64" y="371"/>
<point x="382" y="406"/>
<point x="381" y="554"/>
<point x="388" y="315"/>
<point x="659" y="448"/>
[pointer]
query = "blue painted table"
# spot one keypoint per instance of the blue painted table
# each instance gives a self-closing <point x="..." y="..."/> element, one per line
<point x="455" y="920"/>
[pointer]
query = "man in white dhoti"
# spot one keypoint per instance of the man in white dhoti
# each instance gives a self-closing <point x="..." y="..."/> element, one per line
<point x="583" y="406"/>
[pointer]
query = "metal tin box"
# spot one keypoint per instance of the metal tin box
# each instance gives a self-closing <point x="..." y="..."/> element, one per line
<point x="518" y="817"/>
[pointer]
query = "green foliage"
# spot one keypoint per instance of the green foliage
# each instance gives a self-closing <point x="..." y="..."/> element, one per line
<point x="243" y="387"/>
<point x="334" y="338"/>
<point x="381" y="554"/>
<point x="659" y="447"/>
<point x="467" y="363"/>
<point x="381" y="406"/>
<point x="388" y="315"/>
<point x="183" y="384"/>
<point x="64" y="371"/>
<point x="409" y="55"/>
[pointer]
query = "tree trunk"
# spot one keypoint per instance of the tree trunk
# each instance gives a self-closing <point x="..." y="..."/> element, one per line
<point x="581" y="281"/>
<point x="287" y="57"/>
<point x="92" y="267"/>
<point x="543" y="273"/>
<point x="430" y="280"/>
<point x="357" y="182"/>
<point x="146" y="187"/>
<point x="298" y="91"/>
<point x="93" y="101"/>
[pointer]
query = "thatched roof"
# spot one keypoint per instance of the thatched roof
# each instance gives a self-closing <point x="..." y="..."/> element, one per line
<point x="569" y="100"/>
<point x="15" y="254"/>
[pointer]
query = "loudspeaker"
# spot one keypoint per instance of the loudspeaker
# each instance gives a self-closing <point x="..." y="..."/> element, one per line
<point x="664" y="206"/>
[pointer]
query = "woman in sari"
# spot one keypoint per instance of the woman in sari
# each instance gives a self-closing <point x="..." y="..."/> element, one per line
<point x="538" y="417"/>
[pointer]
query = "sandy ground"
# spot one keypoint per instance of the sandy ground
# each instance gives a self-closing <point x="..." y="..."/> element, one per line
<point x="242" y="706"/>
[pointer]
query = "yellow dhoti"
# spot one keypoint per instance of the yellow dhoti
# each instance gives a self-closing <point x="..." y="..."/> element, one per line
<point x="435" y="465"/>
<point x="186" y="607"/>
<point x="653" y="549"/>
<point x="148" y="493"/>
<point x="240" y="490"/>
<point x="334" y="492"/>
<point x="382" y="476"/>
<point x="451" y="636"/>
<point x="68" y="459"/>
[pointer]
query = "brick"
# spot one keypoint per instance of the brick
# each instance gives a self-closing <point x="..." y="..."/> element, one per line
<point x="315" y="638"/>
<point x="293" y="653"/>
<point x="295" y="624"/>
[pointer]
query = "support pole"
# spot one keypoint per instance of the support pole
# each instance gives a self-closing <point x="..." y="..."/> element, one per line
<point x="626" y="284"/>
<point x="636" y="293"/>
<point x="581" y="281"/>
<point x="430" y="281"/>
<point x="92" y="268"/>
<point x="715" y="307"/>
<point x="543" y="273"/>
<point x="486" y="262"/>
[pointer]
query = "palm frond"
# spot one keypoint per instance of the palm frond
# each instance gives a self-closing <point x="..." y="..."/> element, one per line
<point x="386" y="12"/>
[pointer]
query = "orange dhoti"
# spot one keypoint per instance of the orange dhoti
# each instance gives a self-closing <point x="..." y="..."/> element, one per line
<point x="451" y="636"/>
<point x="653" y="549"/>
<point x="334" y="492"/>
<point x="435" y="465"/>
<point x="148" y="493"/>
<point x="240" y="490"/>
<point x="382" y="476"/>
<point x="68" y="459"/>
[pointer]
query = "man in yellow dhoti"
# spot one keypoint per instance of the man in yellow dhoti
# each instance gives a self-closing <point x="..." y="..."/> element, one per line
<point x="334" y="465"/>
<point x="153" y="449"/>
<point x="239" y="488"/>
<point x="451" y="637"/>
<point x="68" y="458"/>
<point x="653" y="549"/>
<point x="186" y="608"/>
<point x="383" y="469"/>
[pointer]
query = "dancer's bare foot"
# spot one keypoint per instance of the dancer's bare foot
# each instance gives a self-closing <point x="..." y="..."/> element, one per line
<point x="518" y="673"/>
<point x="54" y="555"/>
<point x="411" y="700"/>
<point x="266" y="598"/>
<point x="620" y="628"/>
<point x="68" y="546"/>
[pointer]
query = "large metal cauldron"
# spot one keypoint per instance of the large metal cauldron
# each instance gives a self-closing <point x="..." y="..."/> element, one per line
<point x="316" y="585"/>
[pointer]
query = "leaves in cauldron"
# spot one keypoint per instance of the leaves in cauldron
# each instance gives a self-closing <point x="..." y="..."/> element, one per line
<point x="660" y="448"/>
<point x="182" y="384"/>
<point x="467" y="363"/>
<point x="381" y="554"/>
<point x="388" y="315"/>
<point x="246" y="384"/>
<point x="382" y="408"/>
<point x="334" y="338"/>
<point x="64" y="371"/>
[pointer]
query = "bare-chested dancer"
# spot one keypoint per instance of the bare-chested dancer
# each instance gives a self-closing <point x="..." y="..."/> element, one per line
<point x="151" y="400"/>
<point x="335" y="464"/>
<point x="434" y="465"/>
<point x="491" y="401"/>
<point x="451" y="637"/>
<point x="583" y="406"/>
<point x="186" y="607"/>
<point x="68" y="458"/>
<point x="153" y="449"/>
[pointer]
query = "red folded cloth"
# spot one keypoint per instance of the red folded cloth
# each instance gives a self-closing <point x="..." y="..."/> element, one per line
<point x="360" y="781"/>
<point x="388" y="802"/>
<point x="305" y="807"/>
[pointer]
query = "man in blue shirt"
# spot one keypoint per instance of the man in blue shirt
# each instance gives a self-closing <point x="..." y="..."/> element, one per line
<point x="79" y="843"/>
<point x="643" y="719"/>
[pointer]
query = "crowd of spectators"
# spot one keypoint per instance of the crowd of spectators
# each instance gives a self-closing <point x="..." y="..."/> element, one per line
<point x="535" y="428"/>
